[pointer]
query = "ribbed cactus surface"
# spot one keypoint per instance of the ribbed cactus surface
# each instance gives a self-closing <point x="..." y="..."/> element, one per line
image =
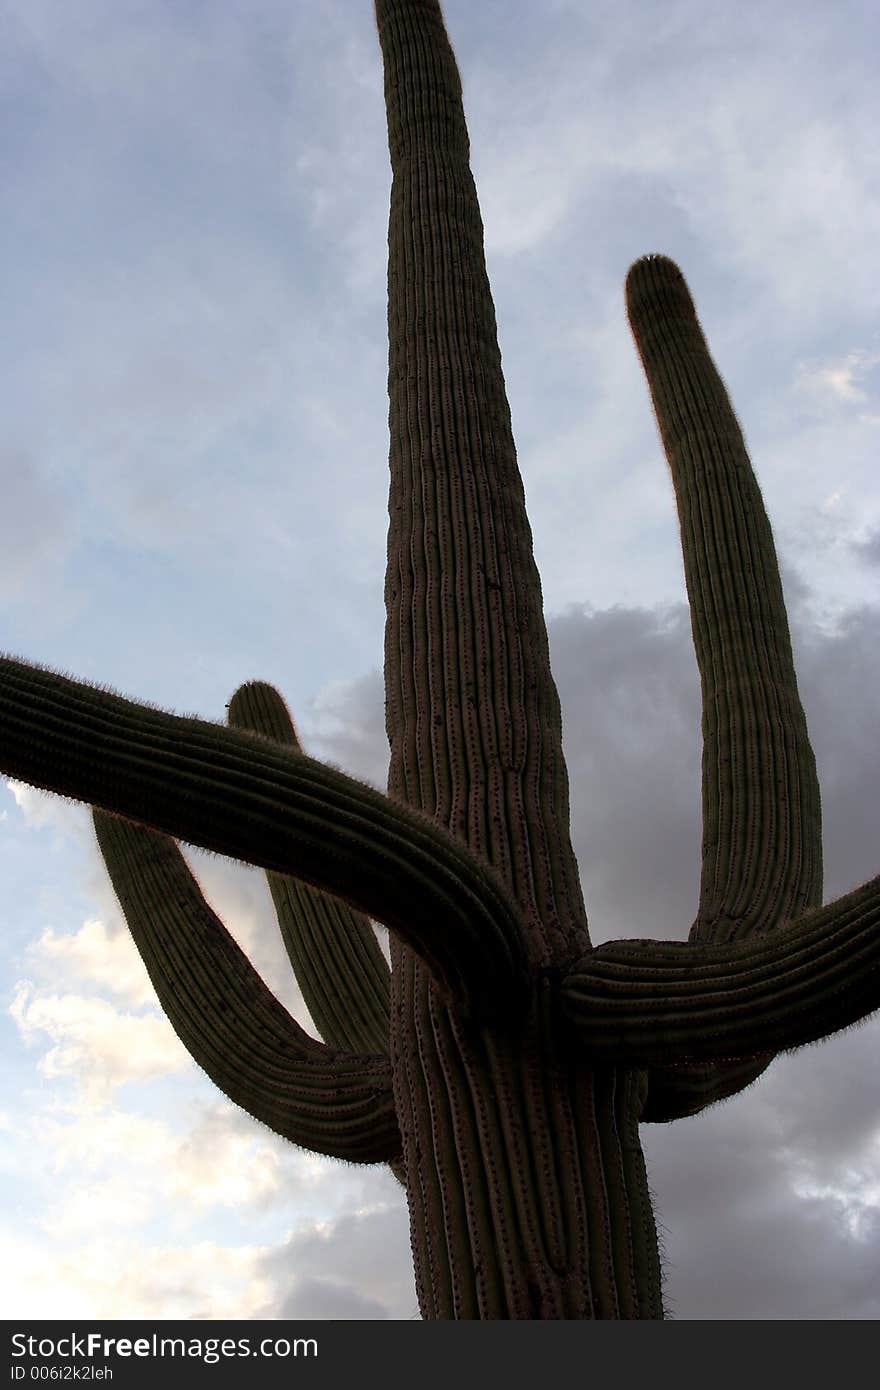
<point x="502" y="1066"/>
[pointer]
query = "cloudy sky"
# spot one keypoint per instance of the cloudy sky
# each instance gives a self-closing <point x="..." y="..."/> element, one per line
<point x="193" y="452"/>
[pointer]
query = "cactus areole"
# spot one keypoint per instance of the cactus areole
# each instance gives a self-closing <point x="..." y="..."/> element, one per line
<point x="502" y="1066"/>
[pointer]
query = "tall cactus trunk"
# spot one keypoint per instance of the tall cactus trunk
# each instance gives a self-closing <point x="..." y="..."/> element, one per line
<point x="525" y="1180"/>
<point x="526" y="1184"/>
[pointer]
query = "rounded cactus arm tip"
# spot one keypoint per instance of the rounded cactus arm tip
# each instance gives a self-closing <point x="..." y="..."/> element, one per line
<point x="340" y="969"/>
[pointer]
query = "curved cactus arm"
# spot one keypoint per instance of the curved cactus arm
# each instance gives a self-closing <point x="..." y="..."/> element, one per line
<point x="238" y="1032"/>
<point x="674" y="1093"/>
<point x="244" y="796"/>
<point x="762" y="843"/>
<point x="341" y="971"/>
<point x="647" y="1003"/>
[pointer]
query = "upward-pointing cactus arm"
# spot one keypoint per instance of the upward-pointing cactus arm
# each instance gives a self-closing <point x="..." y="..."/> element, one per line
<point x="244" y="796"/>
<point x="343" y="975"/>
<point x="762" y="838"/>
<point x="762" y="845"/>
<point x="332" y="1103"/>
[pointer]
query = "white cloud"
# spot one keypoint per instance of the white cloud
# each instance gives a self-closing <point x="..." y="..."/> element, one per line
<point x="841" y="378"/>
<point x="42" y="809"/>
<point x="85" y="1138"/>
<point x="95" y="1043"/>
<point x="856" y="1195"/>
<point x="125" y="1198"/>
<point x="124" y="1277"/>
<point x="107" y="958"/>
<point x="224" y="1159"/>
<point x="102" y="951"/>
<point x="112" y="1205"/>
<point x="218" y="1158"/>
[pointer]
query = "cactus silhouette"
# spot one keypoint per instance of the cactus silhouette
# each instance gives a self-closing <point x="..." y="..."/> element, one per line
<point x="502" y="1066"/>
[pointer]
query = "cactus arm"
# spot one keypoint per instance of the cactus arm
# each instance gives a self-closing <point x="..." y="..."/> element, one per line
<point x="341" y="971"/>
<point x="243" y="796"/>
<point x="666" y="1003"/>
<point x="674" y="1093"/>
<point x="762" y="846"/>
<point x="472" y="711"/>
<point x="234" y="1027"/>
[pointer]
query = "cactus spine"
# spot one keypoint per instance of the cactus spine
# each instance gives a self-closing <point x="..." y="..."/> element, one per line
<point x="502" y="1066"/>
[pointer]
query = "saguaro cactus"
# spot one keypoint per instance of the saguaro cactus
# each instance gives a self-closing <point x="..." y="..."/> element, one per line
<point x="502" y="1066"/>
